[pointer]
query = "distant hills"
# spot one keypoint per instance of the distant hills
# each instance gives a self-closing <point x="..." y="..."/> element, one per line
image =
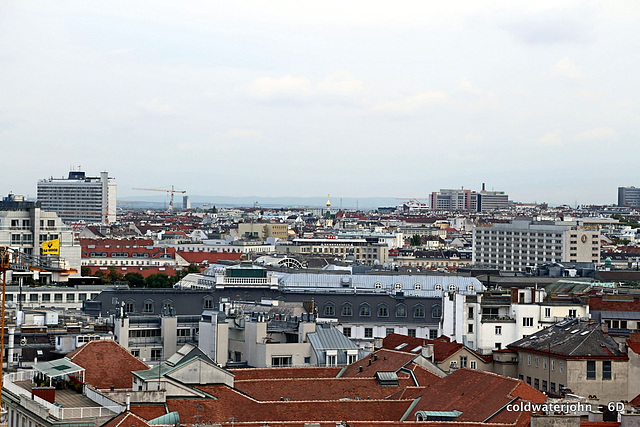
<point x="351" y="203"/>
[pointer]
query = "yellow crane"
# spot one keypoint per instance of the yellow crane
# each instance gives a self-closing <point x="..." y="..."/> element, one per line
<point x="172" y="191"/>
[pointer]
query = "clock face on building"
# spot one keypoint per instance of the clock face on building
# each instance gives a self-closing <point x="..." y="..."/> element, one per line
<point x="584" y="238"/>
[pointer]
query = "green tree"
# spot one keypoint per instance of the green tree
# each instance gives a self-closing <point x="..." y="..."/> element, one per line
<point x="102" y="275"/>
<point x="158" y="280"/>
<point x="180" y="274"/>
<point x="136" y="280"/>
<point x="415" y="240"/>
<point x="114" y="276"/>
<point x="85" y="271"/>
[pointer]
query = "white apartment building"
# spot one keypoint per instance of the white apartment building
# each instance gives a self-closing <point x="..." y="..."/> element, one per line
<point x="80" y="197"/>
<point x="526" y="243"/>
<point x="362" y="250"/>
<point x="491" y="321"/>
<point x="24" y="226"/>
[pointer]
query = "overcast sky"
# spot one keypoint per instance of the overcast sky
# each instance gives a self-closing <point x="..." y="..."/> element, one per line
<point x="540" y="99"/>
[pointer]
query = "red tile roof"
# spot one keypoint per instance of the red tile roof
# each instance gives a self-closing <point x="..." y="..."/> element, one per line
<point x="227" y="404"/>
<point x="280" y="373"/>
<point x="149" y="411"/>
<point x="127" y="419"/>
<point x="107" y="364"/>
<point x="381" y="360"/>
<point x="319" y="388"/>
<point x="614" y="303"/>
<point x="146" y="271"/>
<point x="635" y="401"/>
<point x="479" y="395"/>
<point x="442" y="349"/>
<point x="209" y="257"/>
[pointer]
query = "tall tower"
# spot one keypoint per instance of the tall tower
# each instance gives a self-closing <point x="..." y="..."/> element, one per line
<point x="327" y="216"/>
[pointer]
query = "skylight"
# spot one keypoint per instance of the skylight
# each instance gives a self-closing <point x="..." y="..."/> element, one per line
<point x="403" y="345"/>
<point x="415" y="350"/>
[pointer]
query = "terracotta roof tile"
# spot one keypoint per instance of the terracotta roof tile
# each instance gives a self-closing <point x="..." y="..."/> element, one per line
<point x="107" y="364"/>
<point x="381" y="360"/>
<point x="209" y="257"/>
<point x="280" y="373"/>
<point x="127" y="419"/>
<point x="149" y="411"/>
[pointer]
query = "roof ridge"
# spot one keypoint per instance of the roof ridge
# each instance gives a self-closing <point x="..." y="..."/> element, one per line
<point x="575" y="348"/>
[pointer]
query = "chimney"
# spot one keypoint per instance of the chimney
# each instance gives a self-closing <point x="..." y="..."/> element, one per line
<point x="128" y="402"/>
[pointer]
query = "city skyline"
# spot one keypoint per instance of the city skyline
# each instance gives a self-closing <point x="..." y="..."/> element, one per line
<point x="359" y="100"/>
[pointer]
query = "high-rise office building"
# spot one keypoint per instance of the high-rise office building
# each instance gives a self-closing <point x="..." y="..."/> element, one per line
<point x="628" y="196"/>
<point x="80" y="197"/>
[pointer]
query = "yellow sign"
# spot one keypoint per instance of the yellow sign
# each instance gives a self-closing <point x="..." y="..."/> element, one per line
<point x="51" y="247"/>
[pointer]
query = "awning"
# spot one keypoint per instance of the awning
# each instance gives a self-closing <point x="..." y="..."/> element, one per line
<point x="58" y="368"/>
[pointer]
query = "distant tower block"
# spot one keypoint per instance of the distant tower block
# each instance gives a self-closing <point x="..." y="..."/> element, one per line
<point x="186" y="203"/>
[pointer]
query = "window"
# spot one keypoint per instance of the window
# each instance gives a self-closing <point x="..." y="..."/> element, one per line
<point x="383" y="310"/>
<point x="368" y="332"/>
<point x="437" y="287"/>
<point x="497" y="345"/>
<point x="347" y="309"/>
<point x="377" y="285"/>
<point x="537" y="362"/>
<point x="470" y="315"/>
<point x="418" y="311"/>
<point x="591" y="369"/>
<point x="529" y="360"/>
<point x="470" y="328"/>
<point x="553" y="387"/>
<point x="129" y="307"/>
<point x="473" y="364"/>
<point x="536" y="384"/>
<point x="401" y="310"/>
<point x="207" y="303"/>
<point x="433" y="334"/>
<point x="33" y="297"/>
<point x="365" y="309"/>
<point x="148" y="306"/>
<point x="346" y="331"/>
<point x="606" y="369"/>
<point x="498" y="330"/>
<point x="529" y="380"/>
<point x="71" y="297"/>
<point x="471" y="288"/>
<point x="46" y="297"/>
<point x="329" y="309"/>
<point x="411" y="332"/>
<point x="544" y="363"/>
<point x="278" y="361"/>
<point x="463" y="361"/>
<point x="527" y="321"/>
<point x="561" y="366"/>
<point x="436" y="311"/>
<point x="547" y="312"/>
<point x="167" y="307"/>
<point x="135" y="353"/>
<point x="553" y="365"/>
<point x="307" y="360"/>
<point x="544" y="385"/>
<point x="417" y="286"/>
<point x="398" y="286"/>
<point x="573" y="312"/>
<point x="82" y="297"/>
<point x="452" y="288"/>
<point x="352" y="357"/>
<point x="156" y="354"/>
<point x="57" y="297"/>
<point x="389" y="331"/>
<point x="332" y="359"/>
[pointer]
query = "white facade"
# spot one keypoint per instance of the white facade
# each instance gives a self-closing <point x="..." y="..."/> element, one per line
<point x="80" y="198"/>
<point x="524" y="243"/>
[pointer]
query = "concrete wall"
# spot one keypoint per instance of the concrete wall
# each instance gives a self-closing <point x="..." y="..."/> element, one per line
<point x="606" y="390"/>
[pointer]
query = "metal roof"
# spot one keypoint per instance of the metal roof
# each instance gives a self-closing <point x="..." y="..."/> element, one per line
<point x="58" y="368"/>
<point x="624" y="315"/>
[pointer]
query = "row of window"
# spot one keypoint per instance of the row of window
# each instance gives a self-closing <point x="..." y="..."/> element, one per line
<point x="418" y="286"/>
<point x="57" y="297"/>
<point x="167" y="304"/>
<point x="536" y="384"/>
<point x="382" y="310"/>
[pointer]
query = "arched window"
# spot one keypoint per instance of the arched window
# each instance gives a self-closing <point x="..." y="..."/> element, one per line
<point x="365" y="309"/>
<point x="378" y="285"/>
<point x="167" y="307"/>
<point x="452" y="287"/>
<point x="418" y="311"/>
<point x="207" y="303"/>
<point x="347" y="309"/>
<point x="417" y="286"/>
<point x="329" y="309"/>
<point x="383" y="310"/>
<point x="401" y="310"/>
<point x="438" y="287"/>
<point x="436" y="311"/>
<point x="129" y="306"/>
<point x="148" y="306"/>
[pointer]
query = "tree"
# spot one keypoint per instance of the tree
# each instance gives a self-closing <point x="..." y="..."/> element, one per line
<point x="158" y="280"/>
<point x="136" y="280"/>
<point x="114" y="276"/>
<point x="180" y="274"/>
<point x="85" y="271"/>
<point x="415" y="240"/>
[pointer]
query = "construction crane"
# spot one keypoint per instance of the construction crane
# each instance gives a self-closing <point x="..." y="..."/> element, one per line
<point x="172" y="191"/>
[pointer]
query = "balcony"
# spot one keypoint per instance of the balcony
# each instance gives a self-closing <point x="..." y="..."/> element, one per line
<point x="497" y="319"/>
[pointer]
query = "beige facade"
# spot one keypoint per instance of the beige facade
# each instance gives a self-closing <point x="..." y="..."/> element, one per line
<point x="263" y="231"/>
<point x="363" y="251"/>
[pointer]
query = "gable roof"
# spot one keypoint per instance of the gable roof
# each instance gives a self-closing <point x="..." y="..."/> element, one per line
<point x="442" y="349"/>
<point x="381" y="360"/>
<point x="127" y="419"/>
<point x="107" y="364"/>
<point x="572" y="339"/>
